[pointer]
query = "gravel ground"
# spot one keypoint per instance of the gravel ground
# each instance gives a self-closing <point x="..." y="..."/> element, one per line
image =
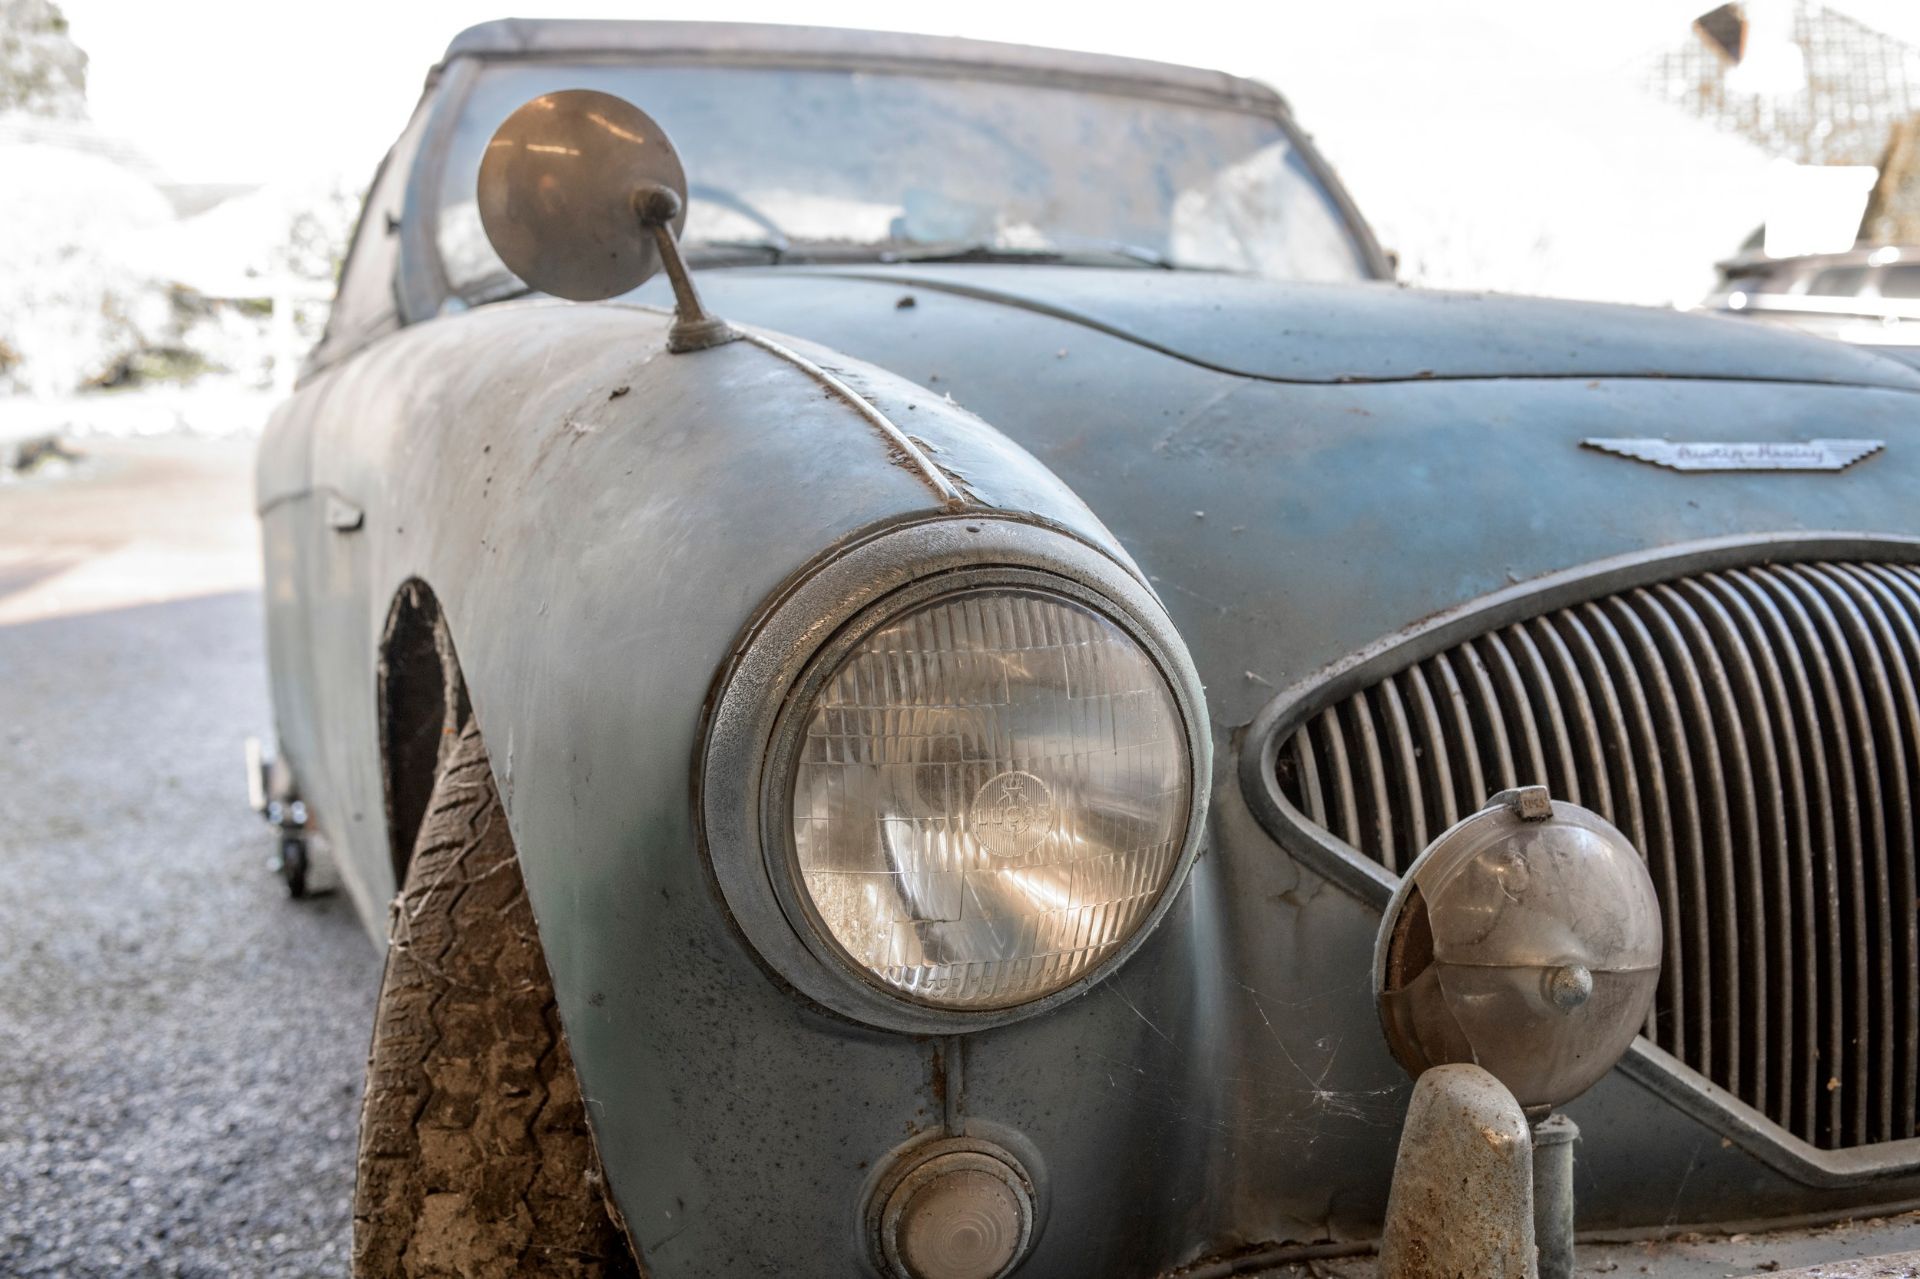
<point x="181" y="1046"/>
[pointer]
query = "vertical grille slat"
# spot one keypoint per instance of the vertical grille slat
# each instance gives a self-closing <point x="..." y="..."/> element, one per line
<point x="1470" y="784"/>
<point x="1305" y="761"/>
<point x="1589" y="757"/>
<point x="1876" y="730"/>
<point x="1689" y="853"/>
<point x="1721" y="757"/>
<point x="1444" y="809"/>
<point x="1821" y="874"/>
<point x="1860" y="791"/>
<point x="1519" y="713"/>
<point x="1715" y="874"/>
<point x="1630" y="743"/>
<point x="1385" y="848"/>
<point x="1782" y="798"/>
<point x="1897" y="610"/>
<point x="1562" y="775"/>
<point x="1608" y="736"/>
<point x="1400" y="734"/>
<point x="1755" y="731"/>
<point x="1485" y="709"/>
<point x="1754" y="775"/>
<point x="1344" y="787"/>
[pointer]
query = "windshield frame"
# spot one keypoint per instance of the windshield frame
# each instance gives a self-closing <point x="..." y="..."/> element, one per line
<point x="425" y="290"/>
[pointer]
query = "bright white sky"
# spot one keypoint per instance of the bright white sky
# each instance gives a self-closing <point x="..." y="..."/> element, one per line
<point x="238" y="90"/>
<point x="1465" y="127"/>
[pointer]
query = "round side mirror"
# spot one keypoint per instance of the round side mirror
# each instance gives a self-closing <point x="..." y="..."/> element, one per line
<point x="569" y="186"/>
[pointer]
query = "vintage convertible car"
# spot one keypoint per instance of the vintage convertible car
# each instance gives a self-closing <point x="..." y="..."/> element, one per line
<point x="958" y="706"/>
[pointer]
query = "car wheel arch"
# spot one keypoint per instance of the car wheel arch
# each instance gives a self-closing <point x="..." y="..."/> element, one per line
<point x="422" y="698"/>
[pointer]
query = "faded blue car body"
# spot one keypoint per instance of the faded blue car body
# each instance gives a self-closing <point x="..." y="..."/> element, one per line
<point x="1304" y="474"/>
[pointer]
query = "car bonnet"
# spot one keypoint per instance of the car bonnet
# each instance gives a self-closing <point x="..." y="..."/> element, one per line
<point x="1376" y="332"/>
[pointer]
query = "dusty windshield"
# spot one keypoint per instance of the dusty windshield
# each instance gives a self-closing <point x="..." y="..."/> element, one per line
<point x="811" y="164"/>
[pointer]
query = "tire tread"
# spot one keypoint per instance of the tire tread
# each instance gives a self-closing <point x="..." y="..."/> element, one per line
<point x="476" y="1160"/>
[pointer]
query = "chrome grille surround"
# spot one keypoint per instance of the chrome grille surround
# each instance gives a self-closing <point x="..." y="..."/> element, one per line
<point x="1748" y="712"/>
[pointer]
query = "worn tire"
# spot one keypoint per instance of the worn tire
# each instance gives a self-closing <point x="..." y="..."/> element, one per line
<point x="475" y="1156"/>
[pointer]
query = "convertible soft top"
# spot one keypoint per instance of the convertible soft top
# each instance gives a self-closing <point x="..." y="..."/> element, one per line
<point x="772" y="43"/>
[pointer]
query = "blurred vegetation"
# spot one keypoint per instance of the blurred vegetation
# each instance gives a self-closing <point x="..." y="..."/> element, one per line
<point x="42" y="71"/>
<point x="105" y="285"/>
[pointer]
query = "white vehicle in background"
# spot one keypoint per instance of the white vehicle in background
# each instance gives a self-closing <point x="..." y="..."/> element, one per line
<point x="1869" y="295"/>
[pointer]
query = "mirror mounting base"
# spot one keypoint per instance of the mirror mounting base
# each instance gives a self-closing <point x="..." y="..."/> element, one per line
<point x="694" y="329"/>
<point x="689" y="334"/>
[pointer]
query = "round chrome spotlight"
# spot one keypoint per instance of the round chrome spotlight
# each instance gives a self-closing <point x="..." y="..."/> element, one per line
<point x="1526" y="940"/>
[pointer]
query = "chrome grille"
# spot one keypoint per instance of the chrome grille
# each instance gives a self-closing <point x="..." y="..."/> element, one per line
<point x="1756" y="733"/>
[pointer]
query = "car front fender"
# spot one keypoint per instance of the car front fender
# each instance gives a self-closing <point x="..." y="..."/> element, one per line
<point x="601" y="523"/>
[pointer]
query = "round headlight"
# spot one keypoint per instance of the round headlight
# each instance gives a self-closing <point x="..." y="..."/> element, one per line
<point x="988" y="796"/>
<point x="955" y="774"/>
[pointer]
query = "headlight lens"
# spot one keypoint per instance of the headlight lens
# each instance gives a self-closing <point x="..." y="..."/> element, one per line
<point x="991" y="794"/>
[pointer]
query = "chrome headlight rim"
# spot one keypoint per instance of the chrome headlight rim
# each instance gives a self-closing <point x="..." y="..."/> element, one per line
<point x="765" y="697"/>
